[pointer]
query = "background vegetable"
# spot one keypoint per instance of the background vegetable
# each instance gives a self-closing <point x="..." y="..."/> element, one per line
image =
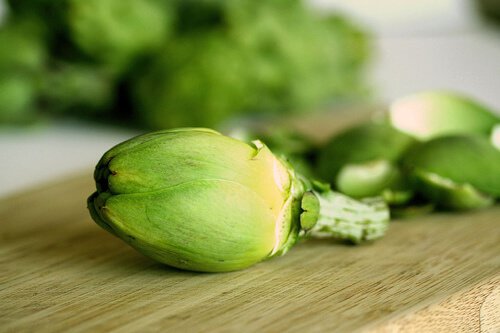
<point x="197" y="80"/>
<point x="448" y="194"/>
<point x="22" y="58"/>
<point x="435" y="113"/>
<point x="495" y="136"/>
<point x="363" y="161"/>
<point x="175" y="63"/>
<point x="458" y="172"/>
<point x="75" y="87"/>
<point x="116" y="32"/>
<point x="198" y="200"/>
<point x="429" y="149"/>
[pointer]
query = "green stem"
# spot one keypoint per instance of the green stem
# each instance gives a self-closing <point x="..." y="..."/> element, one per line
<point x="332" y="214"/>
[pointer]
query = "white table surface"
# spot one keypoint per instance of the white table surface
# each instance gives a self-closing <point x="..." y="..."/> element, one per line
<point x="466" y="61"/>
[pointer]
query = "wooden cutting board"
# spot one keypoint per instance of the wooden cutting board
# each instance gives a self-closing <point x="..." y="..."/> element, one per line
<point x="61" y="272"/>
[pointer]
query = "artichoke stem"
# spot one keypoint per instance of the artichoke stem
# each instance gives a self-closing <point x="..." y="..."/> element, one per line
<point x="341" y="217"/>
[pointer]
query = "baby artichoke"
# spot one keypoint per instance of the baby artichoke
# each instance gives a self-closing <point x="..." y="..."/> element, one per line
<point x="363" y="161"/>
<point x="457" y="172"/>
<point x="431" y="114"/>
<point x="197" y="200"/>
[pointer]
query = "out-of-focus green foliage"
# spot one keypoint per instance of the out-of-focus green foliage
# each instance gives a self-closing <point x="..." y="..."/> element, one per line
<point x="22" y="46"/>
<point x="22" y="55"/>
<point x="234" y="57"/>
<point x="180" y="63"/>
<point x="76" y="87"/>
<point x="199" y="80"/>
<point x="50" y="16"/>
<point x="17" y="95"/>
<point x="115" y="32"/>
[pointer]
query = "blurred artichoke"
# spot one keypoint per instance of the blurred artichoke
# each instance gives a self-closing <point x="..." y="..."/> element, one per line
<point x="234" y="57"/>
<point x="495" y="136"/>
<point x="456" y="172"/>
<point x="430" y="114"/>
<point x="187" y="63"/>
<point x="17" y="98"/>
<point x="198" y="80"/>
<point x="363" y="161"/>
<point x="22" y="58"/>
<point x="115" y="32"/>
<point x="80" y="88"/>
<point x="198" y="200"/>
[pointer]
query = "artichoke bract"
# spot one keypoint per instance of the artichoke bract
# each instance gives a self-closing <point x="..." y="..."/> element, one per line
<point x="198" y="200"/>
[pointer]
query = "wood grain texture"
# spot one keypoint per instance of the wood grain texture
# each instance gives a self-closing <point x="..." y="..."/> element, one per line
<point x="60" y="272"/>
<point x="476" y="309"/>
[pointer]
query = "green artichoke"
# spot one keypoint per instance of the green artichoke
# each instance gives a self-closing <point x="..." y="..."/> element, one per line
<point x="22" y="58"/>
<point x="431" y="114"/>
<point x="230" y="58"/>
<point x="363" y="161"/>
<point x="74" y="87"/>
<point x="115" y="32"/>
<point x="456" y="172"/>
<point x="205" y="77"/>
<point x="197" y="200"/>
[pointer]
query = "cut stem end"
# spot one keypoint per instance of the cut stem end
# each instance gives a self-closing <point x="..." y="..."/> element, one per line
<point x="331" y="214"/>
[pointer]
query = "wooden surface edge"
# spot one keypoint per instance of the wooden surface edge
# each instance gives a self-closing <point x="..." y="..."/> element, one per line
<point x="473" y="309"/>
